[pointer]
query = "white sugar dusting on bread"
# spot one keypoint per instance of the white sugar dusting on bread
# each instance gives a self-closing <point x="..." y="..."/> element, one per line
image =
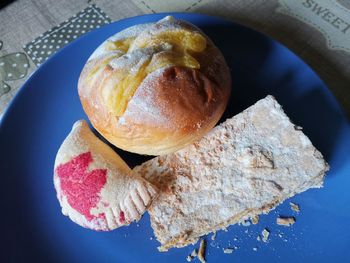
<point x="161" y="112"/>
<point x="126" y="33"/>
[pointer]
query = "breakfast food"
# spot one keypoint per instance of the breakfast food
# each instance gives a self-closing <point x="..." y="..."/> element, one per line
<point x="294" y="207"/>
<point x="154" y="88"/>
<point x="265" y="235"/>
<point x="159" y="89"/>
<point x="201" y="251"/>
<point x="95" y="187"/>
<point x="244" y="167"/>
<point x="255" y="219"/>
<point x="285" y="221"/>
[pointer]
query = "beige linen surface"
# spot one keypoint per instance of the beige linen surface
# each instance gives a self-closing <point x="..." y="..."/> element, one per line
<point x="22" y="21"/>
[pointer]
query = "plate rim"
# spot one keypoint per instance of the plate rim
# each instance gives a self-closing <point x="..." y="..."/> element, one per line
<point x="24" y="86"/>
<point x="13" y="102"/>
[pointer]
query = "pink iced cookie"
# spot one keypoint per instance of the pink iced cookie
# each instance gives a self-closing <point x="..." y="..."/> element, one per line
<point x="95" y="187"/>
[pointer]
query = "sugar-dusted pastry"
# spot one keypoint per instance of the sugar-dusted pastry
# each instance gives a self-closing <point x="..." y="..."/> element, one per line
<point x="154" y="88"/>
<point x="95" y="187"/>
<point x="243" y="167"/>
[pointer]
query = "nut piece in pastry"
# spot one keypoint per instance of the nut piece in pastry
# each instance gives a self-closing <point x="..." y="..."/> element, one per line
<point x="95" y="187"/>
<point x="154" y="88"/>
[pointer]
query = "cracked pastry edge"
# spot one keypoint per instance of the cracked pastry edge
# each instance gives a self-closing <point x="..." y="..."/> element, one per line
<point x="186" y="238"/>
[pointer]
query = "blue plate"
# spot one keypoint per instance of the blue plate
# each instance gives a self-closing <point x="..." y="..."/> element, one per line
<point x="44" y="110"/>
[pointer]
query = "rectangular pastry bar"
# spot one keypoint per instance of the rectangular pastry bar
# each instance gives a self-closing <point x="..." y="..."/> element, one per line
<point x="244" y="167"/>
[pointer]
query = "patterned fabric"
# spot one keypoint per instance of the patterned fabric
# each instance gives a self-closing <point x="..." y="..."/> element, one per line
<point x="13" y="66"/>
<point x="48" y="43"/>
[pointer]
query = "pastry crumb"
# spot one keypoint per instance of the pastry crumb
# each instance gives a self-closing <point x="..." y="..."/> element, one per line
<point x="255" y="220"/>
<point x="194" y="253"/>
<point x="201" y="251"/>
<point x="285" y="221"/>
<point x="245" y="223"/>
<point x="294" y="207"/>
<point x="258" y="238"/>
<point x="213" y="236"/>
<point x="255" y="248"/>
<point x="265" y="235"/>
<point x="228" y="250"/>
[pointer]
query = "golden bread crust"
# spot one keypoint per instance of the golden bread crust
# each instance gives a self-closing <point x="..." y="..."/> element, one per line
<point x="172" y="106"/>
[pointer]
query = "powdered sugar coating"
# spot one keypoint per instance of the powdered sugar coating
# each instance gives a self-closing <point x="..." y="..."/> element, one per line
<point x="243" y="167"/>
<point x="126" y="33"/>
<point x="146" y="104"/>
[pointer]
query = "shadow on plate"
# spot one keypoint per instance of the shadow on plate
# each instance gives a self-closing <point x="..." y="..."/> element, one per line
<point x="257" y="70"/>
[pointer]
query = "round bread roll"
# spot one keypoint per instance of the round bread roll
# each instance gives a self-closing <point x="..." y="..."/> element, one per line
<point x="155" y="88"/>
